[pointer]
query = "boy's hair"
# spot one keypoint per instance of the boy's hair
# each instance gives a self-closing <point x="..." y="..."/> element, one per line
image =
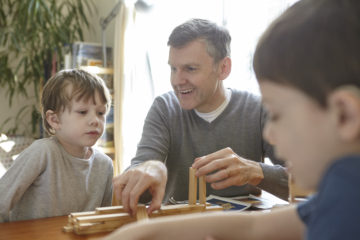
<point x="313" y="46"/>
<point x="56" y="97"/>
<point x="216" y="37"/>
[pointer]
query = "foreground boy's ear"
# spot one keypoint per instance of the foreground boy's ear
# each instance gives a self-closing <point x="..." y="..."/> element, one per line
<point x="346" y="104"/>
<point x="53" y="119"/>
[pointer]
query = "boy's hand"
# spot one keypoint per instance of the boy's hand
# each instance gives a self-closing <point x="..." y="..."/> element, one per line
<point x="129" y="186"/>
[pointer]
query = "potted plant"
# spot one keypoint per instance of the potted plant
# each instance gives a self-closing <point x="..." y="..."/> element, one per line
<point x="33" y="34"/>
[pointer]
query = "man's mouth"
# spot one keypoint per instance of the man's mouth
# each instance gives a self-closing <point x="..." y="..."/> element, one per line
<point x="187" y="91"/>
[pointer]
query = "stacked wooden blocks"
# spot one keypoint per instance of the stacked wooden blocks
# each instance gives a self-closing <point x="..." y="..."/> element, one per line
<point x="107" y="219"/>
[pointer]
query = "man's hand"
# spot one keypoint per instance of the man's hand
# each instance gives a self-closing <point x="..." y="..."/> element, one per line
<point x="129" y="186"/>
<point x="225" y="168"/>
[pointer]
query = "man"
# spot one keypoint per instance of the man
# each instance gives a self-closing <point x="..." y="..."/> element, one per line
<point x="203" y="125"/>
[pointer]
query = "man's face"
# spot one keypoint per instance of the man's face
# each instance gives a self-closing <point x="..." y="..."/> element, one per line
<point x="302" y="132"/>
<point x="195" y="77"/>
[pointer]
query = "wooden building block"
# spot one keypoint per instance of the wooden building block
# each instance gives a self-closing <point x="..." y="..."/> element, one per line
<point x="108" y="210"/>
<point x="141" y="214"/>
<point x="192" y="186"/>
<point x="202" y="190"/>
<point x="106" y="219"/>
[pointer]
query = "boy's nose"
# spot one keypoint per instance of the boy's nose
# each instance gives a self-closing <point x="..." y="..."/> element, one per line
<point x="94" y="120"/>
<point x="268" y="134"/>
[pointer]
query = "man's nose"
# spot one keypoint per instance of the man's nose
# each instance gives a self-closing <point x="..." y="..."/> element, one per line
<point x="178" y="78"/>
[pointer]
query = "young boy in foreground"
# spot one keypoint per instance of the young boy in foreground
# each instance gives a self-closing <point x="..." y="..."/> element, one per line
<point x="308" y="67"/>
<point x="63" y="173"/>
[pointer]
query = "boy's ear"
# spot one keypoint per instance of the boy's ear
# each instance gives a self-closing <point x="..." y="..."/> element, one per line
<point x="53" y="119"/>
<point x="225" y="68"/>
<point x="346" y="106"/>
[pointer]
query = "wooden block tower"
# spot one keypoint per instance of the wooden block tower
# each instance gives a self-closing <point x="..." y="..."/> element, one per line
<point x="107" y="219"/>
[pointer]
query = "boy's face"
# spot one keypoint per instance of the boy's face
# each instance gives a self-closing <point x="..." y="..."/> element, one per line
<point x="195" y="77"/>
<point x="82" y="125"/>
<point x="302" y="132"/>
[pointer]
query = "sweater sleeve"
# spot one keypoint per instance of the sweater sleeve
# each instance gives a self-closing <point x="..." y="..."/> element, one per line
<point x="24" y="171"/>
<point x="275" y="180"/>
<point x="155" y="139"/>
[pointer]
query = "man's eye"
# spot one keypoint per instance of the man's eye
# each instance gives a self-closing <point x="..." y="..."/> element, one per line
<point x="191" y="69"/>
<point x="173" y="69"/>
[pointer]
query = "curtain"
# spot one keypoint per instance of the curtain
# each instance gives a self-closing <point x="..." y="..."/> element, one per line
<point x="123" y="23"/>
<point x="133" y="85"/>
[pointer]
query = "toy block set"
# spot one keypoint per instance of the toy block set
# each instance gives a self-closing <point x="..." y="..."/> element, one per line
<point x="106" y="219"/>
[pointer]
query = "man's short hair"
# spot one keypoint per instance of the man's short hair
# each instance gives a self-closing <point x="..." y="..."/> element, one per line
<point x="217" y="38"/>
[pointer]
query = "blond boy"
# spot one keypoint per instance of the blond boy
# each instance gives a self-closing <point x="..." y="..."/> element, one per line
<point x="63" y="173"/>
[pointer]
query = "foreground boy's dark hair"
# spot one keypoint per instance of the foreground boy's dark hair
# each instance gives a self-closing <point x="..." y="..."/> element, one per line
<point x="314" y="47"/>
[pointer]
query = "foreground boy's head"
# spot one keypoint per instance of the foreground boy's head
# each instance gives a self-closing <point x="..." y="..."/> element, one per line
<point x="74" y="106"/>
<point x="308" y="67"/>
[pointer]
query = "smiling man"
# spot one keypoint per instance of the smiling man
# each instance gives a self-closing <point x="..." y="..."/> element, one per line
<point x="201" y="124"/>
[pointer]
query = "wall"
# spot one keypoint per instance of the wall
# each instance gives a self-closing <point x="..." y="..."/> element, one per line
<point x="102" y="8"/>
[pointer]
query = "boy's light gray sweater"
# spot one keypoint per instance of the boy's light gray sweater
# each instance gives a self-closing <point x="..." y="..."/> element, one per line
<point x="46" y="181"/>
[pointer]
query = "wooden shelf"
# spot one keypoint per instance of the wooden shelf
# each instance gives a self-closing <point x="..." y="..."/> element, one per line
<point x="98" y="70"/>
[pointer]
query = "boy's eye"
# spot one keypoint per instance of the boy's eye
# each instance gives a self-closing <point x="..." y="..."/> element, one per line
<point x="101" y="113"/>
<point x="82" y="112"/>
<point x="273" y="117"/>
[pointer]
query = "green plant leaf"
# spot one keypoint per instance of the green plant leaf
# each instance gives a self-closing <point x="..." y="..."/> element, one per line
<point x="32" y="34"/>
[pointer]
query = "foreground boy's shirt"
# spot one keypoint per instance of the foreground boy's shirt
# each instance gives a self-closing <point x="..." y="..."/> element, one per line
<point x="334" y="212"/>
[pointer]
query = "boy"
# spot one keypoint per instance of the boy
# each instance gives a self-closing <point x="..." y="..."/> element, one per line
<point x="63" y="173"/>
<point x="308" y="67"/>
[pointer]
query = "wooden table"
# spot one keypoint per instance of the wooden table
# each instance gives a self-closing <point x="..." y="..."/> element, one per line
<point x="41" y="229"/>
<point x="51" y="228"/>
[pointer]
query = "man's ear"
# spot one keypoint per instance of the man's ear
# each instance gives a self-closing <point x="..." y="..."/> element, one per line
<point x="346" y="108"/>
<point x="224" y="68"/>
<point x="53" y="119"/>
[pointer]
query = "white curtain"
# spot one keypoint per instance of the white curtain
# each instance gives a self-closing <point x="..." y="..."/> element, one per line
<point x="132" y="85"/>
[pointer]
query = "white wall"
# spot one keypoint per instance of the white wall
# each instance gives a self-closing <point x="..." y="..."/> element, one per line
<point x="102" y="8"/>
